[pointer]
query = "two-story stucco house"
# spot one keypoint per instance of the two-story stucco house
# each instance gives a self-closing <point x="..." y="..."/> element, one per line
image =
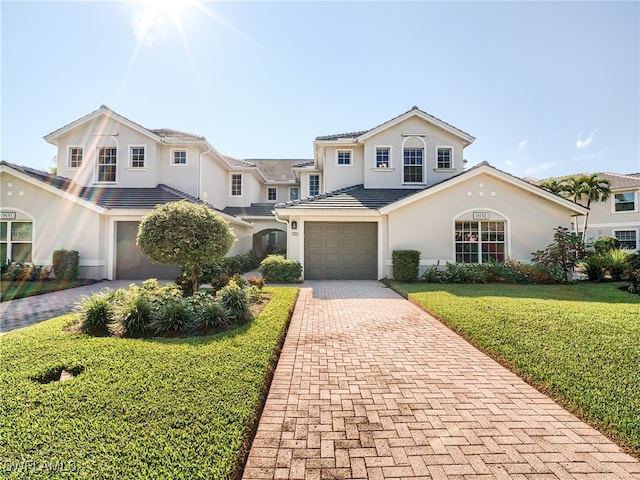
<point x="400" y="185"/>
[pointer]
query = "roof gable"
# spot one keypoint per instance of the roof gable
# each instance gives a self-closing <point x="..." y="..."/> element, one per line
<point x="466" y="138"/>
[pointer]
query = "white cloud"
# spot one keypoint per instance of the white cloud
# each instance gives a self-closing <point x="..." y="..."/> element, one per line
<point x="580" y="144"/>
<point x="509" y="162"/>
<point x="522" y="145"/>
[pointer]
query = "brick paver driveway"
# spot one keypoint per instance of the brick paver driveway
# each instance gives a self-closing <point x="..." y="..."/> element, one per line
<point x="369" y="386"/>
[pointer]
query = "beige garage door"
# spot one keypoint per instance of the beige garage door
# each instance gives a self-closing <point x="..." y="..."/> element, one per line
<point x="131" y="263"/>
<point x="340" y="251"/>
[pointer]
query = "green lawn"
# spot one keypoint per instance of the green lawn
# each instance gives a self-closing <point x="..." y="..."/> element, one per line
<point x="141" y="408"/>
<point x="12" y="290"/>
<point x="578" y="343"/>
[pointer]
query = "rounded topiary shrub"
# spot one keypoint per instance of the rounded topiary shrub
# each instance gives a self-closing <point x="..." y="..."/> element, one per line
<point x="277" y="269"/>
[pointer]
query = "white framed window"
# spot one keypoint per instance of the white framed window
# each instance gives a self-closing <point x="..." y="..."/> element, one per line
<point x="444" y="157"/>
<point x="480" y="242"/>
<point x="294" y="193"/>
<point x="343" y="158"/>
<point x="75" y="156"/>
<point x="413" y="165"/>
<point x="383" y="157"/>
<point x="272" y="194"/>
<point x="179" y="156"/>
<point x="16" y="241"/>
<point x="314" y="184"/>
<point x="624" y="202"/>
<point x="627" y="238"/>
<point x="236" y="185"/>
<point x="137" y="156"/>
<point x="107" y="164"/>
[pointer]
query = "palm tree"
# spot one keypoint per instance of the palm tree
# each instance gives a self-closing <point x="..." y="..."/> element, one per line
<point x="596" y="189"/>
<point x="553" y="185"/>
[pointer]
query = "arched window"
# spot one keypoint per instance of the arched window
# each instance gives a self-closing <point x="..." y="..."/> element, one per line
<point x="413" y="160"/>
<point x="480" y="236"/>
<point x="16" y="241"/>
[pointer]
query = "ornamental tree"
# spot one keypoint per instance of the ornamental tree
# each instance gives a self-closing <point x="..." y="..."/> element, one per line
<point x="186" y="234"/>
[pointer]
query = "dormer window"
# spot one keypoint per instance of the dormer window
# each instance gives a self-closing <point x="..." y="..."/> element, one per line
<point x="444" y="157"/>
<point x="75" y="157"/>
<point x="343" y="157"/>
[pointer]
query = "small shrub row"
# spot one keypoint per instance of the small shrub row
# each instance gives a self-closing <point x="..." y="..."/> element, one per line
<point x="154" y="309"/>
<point x="25" y="272"/>
<point x="510" y="271"/>
<point x="277" y="269"/>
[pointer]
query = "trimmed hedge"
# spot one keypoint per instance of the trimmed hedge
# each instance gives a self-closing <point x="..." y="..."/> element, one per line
<point x="66" y="264"/>
<point x="406" y="264"/>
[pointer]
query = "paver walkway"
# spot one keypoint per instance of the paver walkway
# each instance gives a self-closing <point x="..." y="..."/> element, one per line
<point x="370" y="386"/>
<point x="23" y="312"/>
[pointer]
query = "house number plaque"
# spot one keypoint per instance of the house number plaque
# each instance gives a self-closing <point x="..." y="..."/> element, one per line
<point x="8" y="215"/>
<point x="481" y="216"/>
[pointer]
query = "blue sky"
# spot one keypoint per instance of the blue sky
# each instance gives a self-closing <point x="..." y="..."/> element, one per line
<point x="546" y="88"/>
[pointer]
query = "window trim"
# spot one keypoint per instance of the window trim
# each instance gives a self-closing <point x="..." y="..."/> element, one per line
<point x="613" y="202"/>
<point x="389" y="160"/>
<point x="297" y="197"/>
<point x="172" y="157"/>
<point x="424" y="159"/>
<point x="314" y="175"/>
<point x="98" y="165"/>
<point x="637" y="232"/>
<point x="344" y="150"/>
<point x="9" y="243"/>
<point x="231" y="176"/>
<point x="144" y="157"/>
<point x="451" y="158"/>
<point x="274" y="189"/>
<point x="69" y="148"/>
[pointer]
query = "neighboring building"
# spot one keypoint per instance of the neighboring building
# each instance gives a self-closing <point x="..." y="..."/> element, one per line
<point x="617" y="217"/>
<point x="400" y="185"/>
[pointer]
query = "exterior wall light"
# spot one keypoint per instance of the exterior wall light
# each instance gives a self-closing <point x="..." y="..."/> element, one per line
<point x="294" y="225"/>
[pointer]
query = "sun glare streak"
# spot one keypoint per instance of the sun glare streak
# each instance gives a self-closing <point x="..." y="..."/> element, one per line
<point x="192" y="62"/>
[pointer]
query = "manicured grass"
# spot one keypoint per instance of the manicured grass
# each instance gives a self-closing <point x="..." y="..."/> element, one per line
<point x="13" y="290"/>
<point x="578" y="343"/>
<point x="179" y="408"/>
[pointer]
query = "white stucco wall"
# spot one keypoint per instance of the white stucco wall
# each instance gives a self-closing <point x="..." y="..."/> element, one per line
<point x="341" y="176"/>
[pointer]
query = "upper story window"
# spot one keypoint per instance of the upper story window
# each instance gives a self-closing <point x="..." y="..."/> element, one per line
<point x="624" y="202"/>
<point x="236" y="185"/>
<point x="413" y="168"/>
<point x="107" y="163"/>
<point x="343" y="157"/>
<point x="136" y="157"/>
<point x="75" y="157"/>
<point x="444" y="157"/>
<point x="272" y="194"/>
<point x="627" y="238"/>
<point x="178" y="157"/>
<point x="383" y="157"/>
<point x="314" y="184"/>
<point x="294" y="193"/>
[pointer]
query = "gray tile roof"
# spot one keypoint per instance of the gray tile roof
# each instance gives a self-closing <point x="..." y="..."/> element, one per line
<point x="339" y="136"/>
<point x="255" y="210"/>
<point x="617" y="180"/>
<point x="177" y="134"/>
<point x="277" y="170"/>
<point x="355" y="197"/>
<point x="110" y="197"/>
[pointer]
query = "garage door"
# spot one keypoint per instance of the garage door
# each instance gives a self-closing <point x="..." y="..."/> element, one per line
<point x="131" y="263"/>
<point x="340" y="251"/>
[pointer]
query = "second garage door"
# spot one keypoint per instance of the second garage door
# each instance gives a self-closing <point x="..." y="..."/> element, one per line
<point x="131" y="263"/>
<point x="340" y="251"/>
